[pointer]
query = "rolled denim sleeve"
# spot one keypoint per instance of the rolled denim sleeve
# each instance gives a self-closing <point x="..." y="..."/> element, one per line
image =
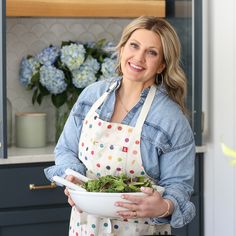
<point x="177" y="176"/>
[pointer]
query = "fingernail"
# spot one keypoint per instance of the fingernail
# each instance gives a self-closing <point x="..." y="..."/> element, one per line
<point x="116" y="204"/>
<point x="142" y="188"/>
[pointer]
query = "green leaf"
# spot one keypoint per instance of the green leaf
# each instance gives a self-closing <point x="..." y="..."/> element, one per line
<point x="30" y="86"/>
<point x="35" y="94"/>
<point x="66" y="43"/>
<point x="59" y="99"/>
<point x="100" y="58"/>
<point x="39" y="98"/>
<point x="114" y="184"/>
<point x="35" y="78"/>
<point x="29" y="56"/>
<point x="100" y="43"/>
<point x="43" y="90"/>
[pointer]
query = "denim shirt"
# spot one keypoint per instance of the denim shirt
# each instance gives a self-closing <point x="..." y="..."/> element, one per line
<point x="167" y="145"/>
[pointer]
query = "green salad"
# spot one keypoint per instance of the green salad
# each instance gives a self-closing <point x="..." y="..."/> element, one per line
<point x="117" y="184"/>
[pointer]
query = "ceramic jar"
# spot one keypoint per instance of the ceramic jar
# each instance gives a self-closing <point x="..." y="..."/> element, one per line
<point x="30" y="129"/>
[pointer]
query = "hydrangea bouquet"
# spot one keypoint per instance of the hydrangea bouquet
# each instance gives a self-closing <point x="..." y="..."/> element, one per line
<point x="63" y="72"/>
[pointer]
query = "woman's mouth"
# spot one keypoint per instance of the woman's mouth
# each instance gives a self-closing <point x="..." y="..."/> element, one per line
<point x="135" y="67"/>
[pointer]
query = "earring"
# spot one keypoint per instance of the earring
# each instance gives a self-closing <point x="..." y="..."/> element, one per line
<point x="159" y="79"/>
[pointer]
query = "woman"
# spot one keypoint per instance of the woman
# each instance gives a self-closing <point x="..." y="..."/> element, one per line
<point x="139" y="117"/>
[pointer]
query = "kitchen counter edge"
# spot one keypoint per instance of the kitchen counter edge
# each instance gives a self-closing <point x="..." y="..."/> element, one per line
<point x="45" y="154"/>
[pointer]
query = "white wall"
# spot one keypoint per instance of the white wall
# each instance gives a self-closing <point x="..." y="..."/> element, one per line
<point x="219" y="104"/>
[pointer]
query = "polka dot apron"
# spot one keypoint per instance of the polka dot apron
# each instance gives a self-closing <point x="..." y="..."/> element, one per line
<point x="111" y="149"/>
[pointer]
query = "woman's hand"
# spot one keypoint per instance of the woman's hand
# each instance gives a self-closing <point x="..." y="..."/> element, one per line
<point x="151" y="205"/>
<point x="74" y="180"/>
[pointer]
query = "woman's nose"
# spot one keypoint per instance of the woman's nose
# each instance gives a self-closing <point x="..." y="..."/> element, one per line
<point x="140" y="55"/>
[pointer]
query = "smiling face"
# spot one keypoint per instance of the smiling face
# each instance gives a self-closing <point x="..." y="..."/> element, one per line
<point x="142" y="57"/>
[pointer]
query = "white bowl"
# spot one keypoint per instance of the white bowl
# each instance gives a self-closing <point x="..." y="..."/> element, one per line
<point x="101" y="204"/>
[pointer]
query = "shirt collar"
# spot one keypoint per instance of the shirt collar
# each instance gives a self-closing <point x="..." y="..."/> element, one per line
<point x="143" y="94"/>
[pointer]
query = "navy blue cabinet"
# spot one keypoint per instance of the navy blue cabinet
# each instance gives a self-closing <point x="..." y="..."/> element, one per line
<point x="31" y="212"/>
<point x="46" y="211"/>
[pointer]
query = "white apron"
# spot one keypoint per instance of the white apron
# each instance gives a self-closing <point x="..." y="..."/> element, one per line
<point x="108" y="148"/>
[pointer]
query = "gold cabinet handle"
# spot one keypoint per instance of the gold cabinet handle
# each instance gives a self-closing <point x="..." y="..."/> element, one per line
<point x="35" y="187"/>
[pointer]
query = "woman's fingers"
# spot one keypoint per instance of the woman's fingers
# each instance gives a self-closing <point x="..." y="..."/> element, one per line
<point x="131" y="208"/>
<point x="147" y="190"/>
<point x="139" y="199"/>
<point x="70" y="201"/>
<point x="73" y="179"/>
<point x="69" y="198"/>
<point x="140" y="206"/>
<point x="128" y="206"/>
<point x="129" y="214"/>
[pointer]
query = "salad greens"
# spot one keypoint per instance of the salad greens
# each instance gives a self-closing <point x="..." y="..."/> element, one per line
<point x="117" y="184"/>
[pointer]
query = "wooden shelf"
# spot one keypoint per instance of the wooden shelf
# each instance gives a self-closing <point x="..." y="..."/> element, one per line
<point x="84" y="8"/>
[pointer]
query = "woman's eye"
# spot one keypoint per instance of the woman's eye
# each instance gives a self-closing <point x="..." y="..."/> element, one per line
<point x="134" y="45"/>
<point x="152" y="53"/>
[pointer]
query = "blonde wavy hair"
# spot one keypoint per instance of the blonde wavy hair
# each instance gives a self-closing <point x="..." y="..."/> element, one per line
<point x="173" y="75"/>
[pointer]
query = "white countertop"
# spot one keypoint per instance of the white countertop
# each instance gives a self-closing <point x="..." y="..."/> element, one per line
<point x="32" y="155"/>
<point x="29" y="155"/>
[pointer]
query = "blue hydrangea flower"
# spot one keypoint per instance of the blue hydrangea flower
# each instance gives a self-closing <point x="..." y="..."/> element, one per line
<point x="48" y="55"/>
<point x="109" y="48"/>
<point x="86" y="74"/>
<point x="53" y="79"/>
<point x="91" y="64"/>
<point x="73" y="55"/>
<point x="83" y="78"/>
<point x="50" y="65"/>
<point x="28" y="68"/>
<point x="108" y="68"/>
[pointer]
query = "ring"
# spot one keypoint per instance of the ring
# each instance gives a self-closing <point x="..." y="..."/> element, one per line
<point x="135" y="214"/>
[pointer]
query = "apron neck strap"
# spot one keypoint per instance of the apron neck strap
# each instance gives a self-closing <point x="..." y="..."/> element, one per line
<point x="100" y="100"/>
<point x="146" y="107"/>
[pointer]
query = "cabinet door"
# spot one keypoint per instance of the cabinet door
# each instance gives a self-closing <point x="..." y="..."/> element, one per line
<point x="15" y="189"/>
<point x="35" y="222"/>
<point x="31" y="212"/>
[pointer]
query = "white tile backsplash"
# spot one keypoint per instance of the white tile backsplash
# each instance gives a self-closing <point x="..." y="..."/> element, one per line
<point x="30" y="35"/>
